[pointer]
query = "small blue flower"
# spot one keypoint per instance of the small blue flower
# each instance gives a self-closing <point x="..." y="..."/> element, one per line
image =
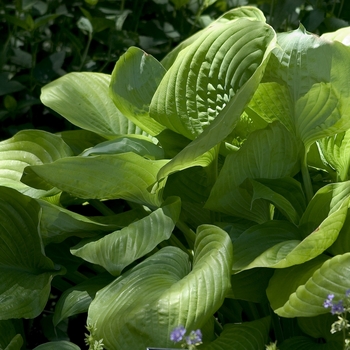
<point x="328" y="302"/>
<point x="195" y="338"/>
<point x="338" y="308"/>
<point x="177" y="334"/>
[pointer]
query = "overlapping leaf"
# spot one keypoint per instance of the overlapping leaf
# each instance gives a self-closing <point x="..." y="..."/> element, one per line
<point x="207" y="88"/>
<point x="25" y="271"/>
<point x="9" y="337"/>
<point x="117" y="250"/>
<point x="306" y="287"/>
<point x="134" y="80"/>
<point x="142" y="307"/>
<point x="269" y="153"/>
<point x="82" y="98"/>
<point x="28" y="147"/>
<point x="125" y="176"/>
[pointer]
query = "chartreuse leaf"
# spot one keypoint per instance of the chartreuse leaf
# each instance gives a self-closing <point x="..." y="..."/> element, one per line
<point x="126" y="176"/>
<point x="77" y="299"/>
<point x="9" y="337"/>
<point x="58" y="223"/>
<point x="117" y="250"/>
<point x="335" y="151"/>
<point x="245" y="336"/>
<point x="82" y="98"/>
<point x="28" y="147"/>
<point x="207" y="88"/>
<point x="25" y="271"/>
<point x="141" y="307"/>
<point x="58" y="345"/>
<point x="270" y="153"/>
<point x="134" y="80"/>
<point x="342" y="35"/>
<point x="208" y="73"/>
<point x="250" y="12"/>
<point x="306" y="93"/>
<point x="280" y="244"/>
<point x="306" y="286"/>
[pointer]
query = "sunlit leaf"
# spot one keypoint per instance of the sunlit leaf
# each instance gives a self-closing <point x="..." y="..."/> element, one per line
<point x="142" y="307"/>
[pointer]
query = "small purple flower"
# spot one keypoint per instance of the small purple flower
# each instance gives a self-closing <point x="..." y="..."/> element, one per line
<point x="328" y="302"/>
<point x="195" y="338"/>
<point x="347" y="293"/>
<point x="177" y="334"/>
<point x="338" y="308"/>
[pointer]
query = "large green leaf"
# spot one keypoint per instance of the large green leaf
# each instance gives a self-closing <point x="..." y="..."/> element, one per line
<point x="269" y="153"/>
<point x="307" y="286"/>
<point x="25" y="271"/>
<point x="28" y="147"/>
<point x="335" y="151"/>
<point x="117" y="250"/>
<point x="134" y="80"/>
<point x="305" y="87"/>
<point x="250" y="12"/>
<point x="245" y="336"/>
<point x="143" y="306"/>
<point x="82" y="98"/>
<point x="280" y="244"/>
<point x="58" y="223"/>
<point x="125" y="176"/>
<point x="58" y="345"/>
<point x="342" y="35"/>
<point x="197" y="91"/>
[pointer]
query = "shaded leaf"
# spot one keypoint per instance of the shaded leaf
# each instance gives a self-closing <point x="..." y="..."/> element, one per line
<point x="58" y="345"/>
<point x="119" y="249"/>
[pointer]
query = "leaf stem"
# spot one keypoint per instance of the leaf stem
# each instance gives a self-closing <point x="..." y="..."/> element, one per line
<point x="101" y="207"/>
<point x="188" y="233"/>
<point x="306" y="179"/>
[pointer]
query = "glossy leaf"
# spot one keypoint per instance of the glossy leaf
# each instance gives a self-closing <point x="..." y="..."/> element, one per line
<point x="263" y="155"/>
<point x="305" y="93"/>
<point x="25" y="271"/>
<point x="125" y="176"/>
<point x="245" y="336"/>
<point x="82" y="98"/>
<point x="134" y="80"/>
<point x="28" y="147"/>
<point x="145" y="304"/>
<point x="307" y="286"/>
<point x="119" y="249"/>
<point x="234" y="92"/>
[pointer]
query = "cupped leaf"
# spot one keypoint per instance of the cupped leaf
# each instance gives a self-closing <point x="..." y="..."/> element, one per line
<point x="245" y="336"/>
<point x="241" y="87"/>
<point x="82" y="98"/>
<point x="307" y="286"/>
<point x="305" y="87"/>
<point x="58" y="223"/>
<point x="279" y="244"/>
<point x="207" y="74"/>
<point x="77" y="299"/>
<point x="138" y="144"/>
<point x="269" y="153"/>
<point x="25" y="271"/>
<point x="58" y="345"/>
<point x="126" y="176"/>
<point x="143" y="306"/>
<point x="134" y="80"/>
<point x="250" y="12"/>
<point x="119" y="249"/>
<point x="29" y="147"/>
<point x="335" y="152"/>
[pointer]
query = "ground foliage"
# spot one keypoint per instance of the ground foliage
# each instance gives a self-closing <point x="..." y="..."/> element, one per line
<point x="221" y="207"/>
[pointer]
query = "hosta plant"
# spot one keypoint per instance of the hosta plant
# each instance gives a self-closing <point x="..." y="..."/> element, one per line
<point x="209" y="190"/>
